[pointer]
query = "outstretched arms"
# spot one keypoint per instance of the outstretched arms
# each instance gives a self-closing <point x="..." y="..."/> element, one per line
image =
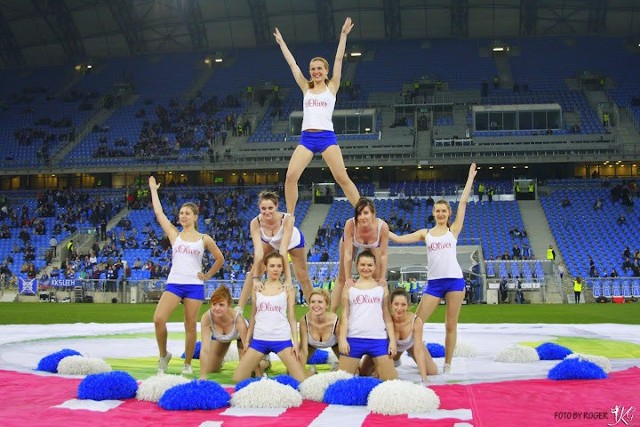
<point x="288" y="56"/>
<point x="334" y="84"/>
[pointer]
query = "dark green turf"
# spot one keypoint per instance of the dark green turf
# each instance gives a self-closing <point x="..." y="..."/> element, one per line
<point x="48" y="313"/>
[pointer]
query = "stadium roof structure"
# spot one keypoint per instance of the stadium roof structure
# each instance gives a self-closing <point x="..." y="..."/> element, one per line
<point x="49" y="32"/>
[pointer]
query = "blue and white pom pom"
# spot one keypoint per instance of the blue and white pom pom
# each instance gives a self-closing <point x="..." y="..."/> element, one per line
<point x="518" y="354"/>
<point x="196" y="394"/>
<point x="552" y="351"/>
<point x="397" y="397"/>
<point x="116" y="385"/>
<point x="576" y="369"/>
<point x="80" y="365"/>
<point x="49" y="363"/>
<point x="266" y="393"/>
<point x="353" y="392"/>
<point x="435" y="349"/>
<point x="319" y="357"/>
<point x="196" y="351"/>
<point x="314" y="387"/>
<point x="601" y="361"/>
<point x="152" y="389"/>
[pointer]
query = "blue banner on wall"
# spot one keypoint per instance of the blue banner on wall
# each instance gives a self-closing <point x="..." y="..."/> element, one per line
<point x="27" y="286"/>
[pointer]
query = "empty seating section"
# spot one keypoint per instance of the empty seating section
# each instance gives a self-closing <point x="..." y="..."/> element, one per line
<point x="581" y="231"/>
<point x="36" y="120"/>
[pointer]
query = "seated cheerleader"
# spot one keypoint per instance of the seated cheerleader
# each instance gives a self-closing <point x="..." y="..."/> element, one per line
<point x="318" y="327"/>
<point x="408" y="331"/>
<point x="272" y="327"/>
<point x="366" y="327"/>
<point x="219" y="326"/>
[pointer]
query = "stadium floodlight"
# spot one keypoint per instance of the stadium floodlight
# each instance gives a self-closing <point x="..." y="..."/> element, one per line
<point x="499" y="47"/>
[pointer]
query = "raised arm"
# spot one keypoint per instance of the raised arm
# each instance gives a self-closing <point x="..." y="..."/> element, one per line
<point x="334" y="83"/>
<point x="167" y="227"/>
<point x="456" y="227"/>
<point x="416" y="236"/>
<point x="288" y="56"/>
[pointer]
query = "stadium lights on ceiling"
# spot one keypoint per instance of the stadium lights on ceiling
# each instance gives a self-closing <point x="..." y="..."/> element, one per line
<point x="355" y="54"/>
<point x="499" y="47"/>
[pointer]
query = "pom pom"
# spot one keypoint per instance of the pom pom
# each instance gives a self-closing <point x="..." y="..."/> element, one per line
<point x="601" y="361"/>
<point x="114" y="385"/>
<point x="435" y="349"/>
<point x="79" y="365"/>
<point x="50" y="362"/>
<point x="232" y="354"/>
<point x="287" y="380"/>
<point x="552" y="351"/>
<point x="314" y="387"/>
<point x="196" y="351"/>
<point x="152" y="389"/>
<point x="197" y="394"/>
<point x="464" y="350"/>
<point x="353" y="392"/>
<point x="242" y="384"/>
<point x="398" y="397"/>
<point x="266" y="393"/>
<point x="576" y="369"/>
<point x="518" y="354"/>
<point x="319" y="357"/>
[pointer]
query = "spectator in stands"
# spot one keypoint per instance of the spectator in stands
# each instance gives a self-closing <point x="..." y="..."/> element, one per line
<point x="444" y="278"/>
<point x="219" y="326"/>
<point x="363" y="231"/>
<point x="598" y="204"/>
<point x="408" y="330"/>
<point x="273" y="231"/>
<point x="185" y="281"/>
<point x="519" y="296"/>
<point x="318" y="327"/>
<point x="317" y="128"/>
<point x="272" y="327"/>
<point x="366" y="326"/>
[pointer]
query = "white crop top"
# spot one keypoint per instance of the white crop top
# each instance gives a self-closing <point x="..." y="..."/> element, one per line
<point x="271" y="322"/>
<point x="186" y="262"/>
<point x="442" y="261"/>
<point x="365" y="313"/>
<point x="275" y="240"/>
<point x="373" y="245"/>
<point x="233" y="335"/>
<point x="331" y="340"/>
<point x="407" y="343"/>
<point x="317" y="110"/>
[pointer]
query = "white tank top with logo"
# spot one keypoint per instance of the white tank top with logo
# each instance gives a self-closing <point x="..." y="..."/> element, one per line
<point x="317" y="110"/>
<point x="272" y="323"/>
<point x="365" y="313"/>
<point x="186" y="262"/>
<point x="442" y="261"/>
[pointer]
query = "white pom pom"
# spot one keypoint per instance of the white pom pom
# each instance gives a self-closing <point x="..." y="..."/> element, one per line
<point x="232" y="354"/>
<point x="266" y="393"/>
<point x="314" y="387"/>
<point x="464" y="349"/>
<point x="518" y="354"/>
<point x="402" y="397"/>
<point x="80" y="365"/>
<point x="152" y="389"/>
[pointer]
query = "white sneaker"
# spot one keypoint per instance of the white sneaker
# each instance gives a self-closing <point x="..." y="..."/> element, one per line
<point x="446" y="368"/>
<point x="186" y="370"/>
<point x="163" y="363"/>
